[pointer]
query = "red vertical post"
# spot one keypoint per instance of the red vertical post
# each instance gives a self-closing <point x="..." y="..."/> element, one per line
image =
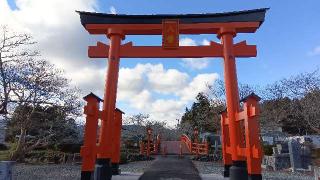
<point x="117" y="124"/>
<point x="105" y="143"/>
<point x="180" y="148"/>
<point x="225" y="142"/>
<point x="149" y="132"/>
<point x="252" y="131"/>
<point x="142" y="148"/>
<point x="206" y="148"/>
<point x="196" y="136"/>
<point x="232" y="96"/>
<point x="89" y="148"/>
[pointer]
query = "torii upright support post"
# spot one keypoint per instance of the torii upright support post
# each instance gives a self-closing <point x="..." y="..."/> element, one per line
<point x="238" y="168"/>
<point x="115" y="160"/>
<point x="105" y="143"/>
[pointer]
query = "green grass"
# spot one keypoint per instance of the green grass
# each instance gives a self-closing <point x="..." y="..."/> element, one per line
<point x="4" y="155"/>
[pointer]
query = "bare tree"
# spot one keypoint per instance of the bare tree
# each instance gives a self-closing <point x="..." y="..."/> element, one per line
<point x="311" y="109"/>
<point x="14" y="48"/>
<point x="27" y="84"/>
<point x="38" y="84"/>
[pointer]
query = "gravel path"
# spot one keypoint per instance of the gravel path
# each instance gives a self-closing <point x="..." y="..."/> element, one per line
<point x="216" y="168"/>
<point x="65" y="172"/>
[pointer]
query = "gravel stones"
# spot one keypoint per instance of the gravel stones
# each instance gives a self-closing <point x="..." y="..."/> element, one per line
<point x="65" y="171"/>
<point x="217" y="168"/>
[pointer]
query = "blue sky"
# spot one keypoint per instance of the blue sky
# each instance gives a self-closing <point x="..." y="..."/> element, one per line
<point x="284" y="41"/>
<point x="288" y="43"/>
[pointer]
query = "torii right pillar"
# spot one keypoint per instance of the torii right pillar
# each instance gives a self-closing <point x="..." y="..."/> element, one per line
<point x="235" y="160"/>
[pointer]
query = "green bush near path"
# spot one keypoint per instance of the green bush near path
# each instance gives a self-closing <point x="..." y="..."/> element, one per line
<point x="267" y="150"/>
<point x="5" y="155"/>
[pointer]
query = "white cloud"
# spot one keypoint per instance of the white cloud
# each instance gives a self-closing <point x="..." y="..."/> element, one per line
<point x="89" y="79"/>
<point x="187" y="42"/>
<point x="315" y="51"/>
<point x="56" y="27"/>
<point x="194" y="63"/>
<point x="138" y="85"/>
<point x="205" y="42"/>
<point x="166" y="81"/>
<point x="198" y="84"/>
<point x="113" y="10"/>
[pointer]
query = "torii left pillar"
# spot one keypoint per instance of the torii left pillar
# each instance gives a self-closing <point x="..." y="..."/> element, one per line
<point x="89" y="148"/>
<point x="109" y="104"/>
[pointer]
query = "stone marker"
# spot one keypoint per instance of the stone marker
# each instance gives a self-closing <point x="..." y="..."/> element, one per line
<point x="295" y="154"/>
<point x="6" y="170"/>
<point x="316" y="173"/>
<point x="2" y="130"/>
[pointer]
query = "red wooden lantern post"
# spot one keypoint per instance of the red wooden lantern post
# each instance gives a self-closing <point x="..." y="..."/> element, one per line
<point x="116" y="139"/>
<point x="252" y="130"/>
<point x="196" y="140"/>
<point x="89" y="149"/>
<point x="149" y="133"/>
<point x="142" y="148"/>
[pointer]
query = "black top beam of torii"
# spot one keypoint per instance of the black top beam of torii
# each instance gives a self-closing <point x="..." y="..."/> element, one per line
<point x="255" y="15"/>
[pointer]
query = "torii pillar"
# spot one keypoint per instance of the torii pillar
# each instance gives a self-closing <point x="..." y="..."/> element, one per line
<point x="105" y="141"/>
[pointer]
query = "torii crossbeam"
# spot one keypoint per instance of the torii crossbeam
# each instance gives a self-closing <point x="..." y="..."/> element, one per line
<point x="225" y="25"/>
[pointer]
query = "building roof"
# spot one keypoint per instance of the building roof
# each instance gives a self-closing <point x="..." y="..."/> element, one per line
<point x="255" y="15"/>
<point x="94" y="96"/>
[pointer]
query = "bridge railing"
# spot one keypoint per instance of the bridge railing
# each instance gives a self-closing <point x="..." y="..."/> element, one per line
<point x="185" y="139"/>
<point x="154" y="146"/>
<point x="200" y="148"/>
<point x="195" y="148"/>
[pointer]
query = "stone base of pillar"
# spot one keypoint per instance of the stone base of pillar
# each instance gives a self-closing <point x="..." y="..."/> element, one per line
<point x="238" y="170"/>
<point x="254" y="177"/>
<point x="115" y="169"/>
<point x="103" y="169"/>
<point x="86" y="175"/>
<point x="226" y="171"/>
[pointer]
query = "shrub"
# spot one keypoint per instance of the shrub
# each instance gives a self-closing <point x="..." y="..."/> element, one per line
<point x="267" y="149"/>
<point x="3" y="147"/>
<point x="44" y="156"/>
<point x="4" y="155"/>
<point x="69" y="148"/>
<point x="123" y="158"/>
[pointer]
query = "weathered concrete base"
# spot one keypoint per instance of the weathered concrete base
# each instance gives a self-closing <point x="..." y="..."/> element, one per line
<point x="238" y="170"/>
<point x="226" y="171"/>
<point x="115" y="169"/>
<point x="127" y="176"/>
<point x="86" y="175"/>
<point x="103" y="169"/>
<point x="254" y="177"/>
<point x="212" y="177"/>
<point x="6" y="169"/>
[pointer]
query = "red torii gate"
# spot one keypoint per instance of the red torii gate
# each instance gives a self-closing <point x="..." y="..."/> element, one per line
<point x="225" y="25"/>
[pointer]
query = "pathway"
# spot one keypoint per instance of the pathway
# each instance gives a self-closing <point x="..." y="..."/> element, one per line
<point x="171" y="167"/>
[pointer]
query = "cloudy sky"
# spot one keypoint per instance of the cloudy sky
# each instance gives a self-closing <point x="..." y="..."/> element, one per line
<point x="288" y="43"/>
